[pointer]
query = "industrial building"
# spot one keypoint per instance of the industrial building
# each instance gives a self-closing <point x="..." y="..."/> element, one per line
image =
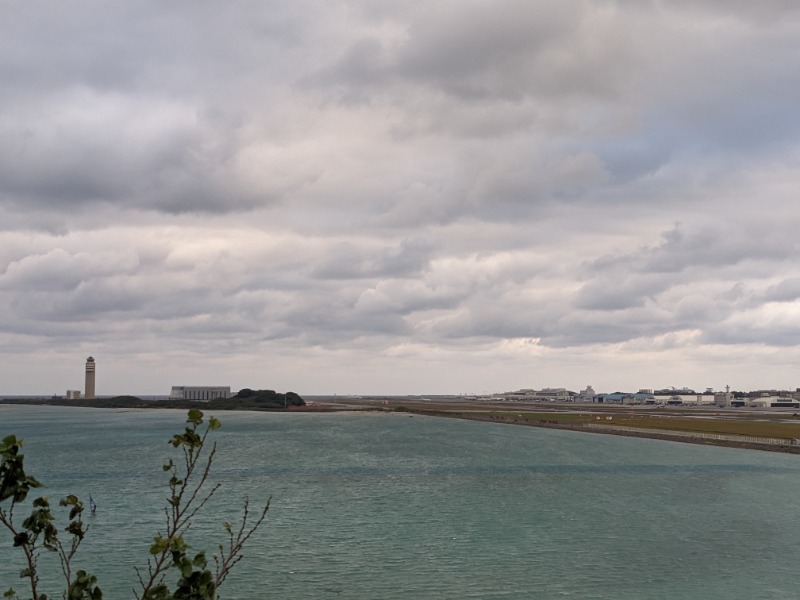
<point x="199" y="392"/>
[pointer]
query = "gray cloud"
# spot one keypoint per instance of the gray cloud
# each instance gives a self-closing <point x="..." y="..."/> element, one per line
<point x="358" y="190"/>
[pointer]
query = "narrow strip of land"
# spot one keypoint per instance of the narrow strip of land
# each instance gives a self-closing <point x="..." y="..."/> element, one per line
<point x="775" y="431"/>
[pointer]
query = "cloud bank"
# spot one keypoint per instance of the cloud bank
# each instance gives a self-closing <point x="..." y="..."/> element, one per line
<point x="373" y="197"/>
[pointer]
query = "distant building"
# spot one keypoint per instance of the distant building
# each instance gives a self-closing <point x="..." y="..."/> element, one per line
<point x="557" y="394"/>
<point x="73" y="394"/>
<point x="89" y="392"/>
<point x="552" y="394"/>
<point x="199" y="392"/>
<point x="543" y="395"/>
<point x="684" y="391"/>
<point x="625" y="398"/>
<point x="774" y="402"/>
<point x="723" y="399"/>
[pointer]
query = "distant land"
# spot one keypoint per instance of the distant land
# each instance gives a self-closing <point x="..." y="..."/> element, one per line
<point x="245" y="399"/>
<point x="775" y="429"/>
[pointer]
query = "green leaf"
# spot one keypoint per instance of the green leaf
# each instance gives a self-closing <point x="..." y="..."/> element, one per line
<point x="72" y="499"/>
<point x="186" y="569"/>
<point x="159" y="545"/>
<point x="178" y="544"/>
<point x="214" y="423"/>
<point x="10" y="440"/>
<point x="195" y="416"/>
<point x="76" y="528"/>
<point x="200" y="560"/>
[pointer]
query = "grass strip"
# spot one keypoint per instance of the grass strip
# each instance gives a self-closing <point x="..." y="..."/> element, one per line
<point x="700" y="425"/>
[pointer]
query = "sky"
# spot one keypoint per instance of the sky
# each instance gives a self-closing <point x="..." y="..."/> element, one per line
<point x="374" y="197"/>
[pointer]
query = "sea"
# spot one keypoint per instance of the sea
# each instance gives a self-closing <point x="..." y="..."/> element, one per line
<point x="397" y="506"/>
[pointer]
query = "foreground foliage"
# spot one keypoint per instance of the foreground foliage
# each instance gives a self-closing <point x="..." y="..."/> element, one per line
<point x="189" y="490"/>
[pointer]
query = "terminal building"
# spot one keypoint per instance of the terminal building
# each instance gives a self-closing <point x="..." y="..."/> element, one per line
<point x="199" y="392"/>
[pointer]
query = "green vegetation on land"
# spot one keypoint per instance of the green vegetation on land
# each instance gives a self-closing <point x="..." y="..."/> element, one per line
<point x="772" y="429"/>
<point x="258" y="399"/>
<point x="246" y="399"/>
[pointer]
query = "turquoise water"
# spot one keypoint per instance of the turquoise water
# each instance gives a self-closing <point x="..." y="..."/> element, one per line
<point x="397" y="507"/>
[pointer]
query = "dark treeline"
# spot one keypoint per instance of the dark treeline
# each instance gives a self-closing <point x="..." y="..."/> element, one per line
<point x="245" y="399"/>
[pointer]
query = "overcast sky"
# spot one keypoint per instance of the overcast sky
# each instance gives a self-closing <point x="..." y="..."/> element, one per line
<point x="371" y="196"/>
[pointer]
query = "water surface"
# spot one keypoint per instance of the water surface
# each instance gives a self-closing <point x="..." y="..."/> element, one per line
<point x="398" y="507"/>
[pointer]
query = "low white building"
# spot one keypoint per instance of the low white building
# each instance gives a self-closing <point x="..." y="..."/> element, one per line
<point x="545" y="394"/>
<point x="774" y="402"/>
<point x="199" y="392"/>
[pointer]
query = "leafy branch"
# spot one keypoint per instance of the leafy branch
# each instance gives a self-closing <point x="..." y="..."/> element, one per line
<point x="38" y="531"/>
<point x="189" y="492"/>
<point x="228" y="557"/>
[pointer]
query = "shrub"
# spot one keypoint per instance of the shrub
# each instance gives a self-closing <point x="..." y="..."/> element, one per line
<point x="189" y="491"/>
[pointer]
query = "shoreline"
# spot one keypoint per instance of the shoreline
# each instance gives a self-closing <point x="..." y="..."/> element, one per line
<point x="486" y="415"/>
<point x="610" y="430"/>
